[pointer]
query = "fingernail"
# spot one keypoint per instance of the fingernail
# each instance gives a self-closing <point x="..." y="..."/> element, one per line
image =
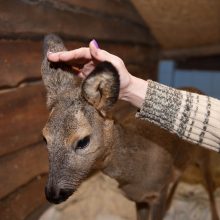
<point x="95" y="43"/>
<point x="48" y="52"/>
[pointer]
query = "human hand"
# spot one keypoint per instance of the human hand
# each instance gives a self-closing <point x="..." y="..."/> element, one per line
<point x="86" y="58"/>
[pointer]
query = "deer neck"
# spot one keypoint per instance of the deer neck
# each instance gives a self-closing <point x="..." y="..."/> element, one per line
<point x="121" y="151"/>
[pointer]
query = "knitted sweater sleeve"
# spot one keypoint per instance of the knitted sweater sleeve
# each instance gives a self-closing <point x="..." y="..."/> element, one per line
<point x="191" y="116"/>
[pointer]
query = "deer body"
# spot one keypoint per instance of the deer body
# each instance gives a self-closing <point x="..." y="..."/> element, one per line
<point x="133" y="162"/>
<point x="143" y="168"/>
<point x="81" y="138"/>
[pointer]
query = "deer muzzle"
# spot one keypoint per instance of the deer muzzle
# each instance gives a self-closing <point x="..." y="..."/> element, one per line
<point x="56" y="195"/>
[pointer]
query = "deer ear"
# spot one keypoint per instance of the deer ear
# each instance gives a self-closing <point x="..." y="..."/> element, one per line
<point x="57" y="77"/>
<point x="101" y="87"/>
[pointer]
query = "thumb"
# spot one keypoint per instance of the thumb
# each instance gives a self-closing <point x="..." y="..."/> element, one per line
<point x="97" y="53"/>
<point x="94" y="47"/>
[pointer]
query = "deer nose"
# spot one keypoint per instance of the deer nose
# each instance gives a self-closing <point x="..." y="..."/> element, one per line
<point x="57" y="195"/>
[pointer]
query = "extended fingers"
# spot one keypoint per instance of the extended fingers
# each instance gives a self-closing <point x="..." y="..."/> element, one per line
<point x="82" y="53"/>
<point x="79" y="55"/>
<point x="54" y="57"/>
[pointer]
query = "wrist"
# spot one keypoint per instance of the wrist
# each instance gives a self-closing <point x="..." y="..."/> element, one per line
<point x="135" y="92"/>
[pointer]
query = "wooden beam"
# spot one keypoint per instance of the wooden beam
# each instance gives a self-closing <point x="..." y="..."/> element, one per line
<point x="114" y="8"/>
<point x="19" y="168"/>
<point x="20" y="61"/>
<point x="25" y="200"/>
<point x="23" y="115"/>
<point x="199" y="63"/>
<point x="202" y="51"/>
<point x="35" y="20"/>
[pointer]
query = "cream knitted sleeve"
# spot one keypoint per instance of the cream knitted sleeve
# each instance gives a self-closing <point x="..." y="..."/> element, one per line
<point x="191" y="116"/>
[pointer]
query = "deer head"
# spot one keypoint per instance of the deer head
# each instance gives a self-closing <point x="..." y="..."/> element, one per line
<point x="78" y="132"/>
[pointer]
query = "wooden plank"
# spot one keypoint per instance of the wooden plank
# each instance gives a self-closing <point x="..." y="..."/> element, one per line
<point x="199" y="63"/>
<point x="37" y="213"/>
<point x="22" y="116"/>
<point x="20" y="60"/>
<point x="24" y="200"/>
<point x="133" y="54"/>
<point x="44" y="18"/>
<point x="19" y="168"/>
<point x="116" y="8"/>
<point x="203" y="51"/>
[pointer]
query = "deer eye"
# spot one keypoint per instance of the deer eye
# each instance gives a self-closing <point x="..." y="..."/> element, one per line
<point x="83" y="143"/>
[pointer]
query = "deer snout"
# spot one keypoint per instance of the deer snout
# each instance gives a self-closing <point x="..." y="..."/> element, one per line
<point x="56" y="195"/>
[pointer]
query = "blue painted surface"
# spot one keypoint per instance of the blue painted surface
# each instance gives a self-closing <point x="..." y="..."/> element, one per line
<point x="166" y="71"/>
<point x="206" y="81"/>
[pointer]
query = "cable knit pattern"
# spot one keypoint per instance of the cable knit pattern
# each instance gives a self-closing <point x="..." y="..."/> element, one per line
<point x="191" y="116"/>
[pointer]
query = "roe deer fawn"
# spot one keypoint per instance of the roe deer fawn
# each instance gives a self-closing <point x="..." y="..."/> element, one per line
<point x="82" y="138"/>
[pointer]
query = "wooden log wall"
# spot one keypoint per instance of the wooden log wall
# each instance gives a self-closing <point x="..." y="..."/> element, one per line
<point x="23" y="23"/>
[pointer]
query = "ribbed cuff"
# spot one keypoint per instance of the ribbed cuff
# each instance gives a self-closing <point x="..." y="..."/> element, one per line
<point x="161" y="105"/>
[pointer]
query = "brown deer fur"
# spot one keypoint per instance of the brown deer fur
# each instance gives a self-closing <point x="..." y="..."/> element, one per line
<point x="81" y="138"/>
